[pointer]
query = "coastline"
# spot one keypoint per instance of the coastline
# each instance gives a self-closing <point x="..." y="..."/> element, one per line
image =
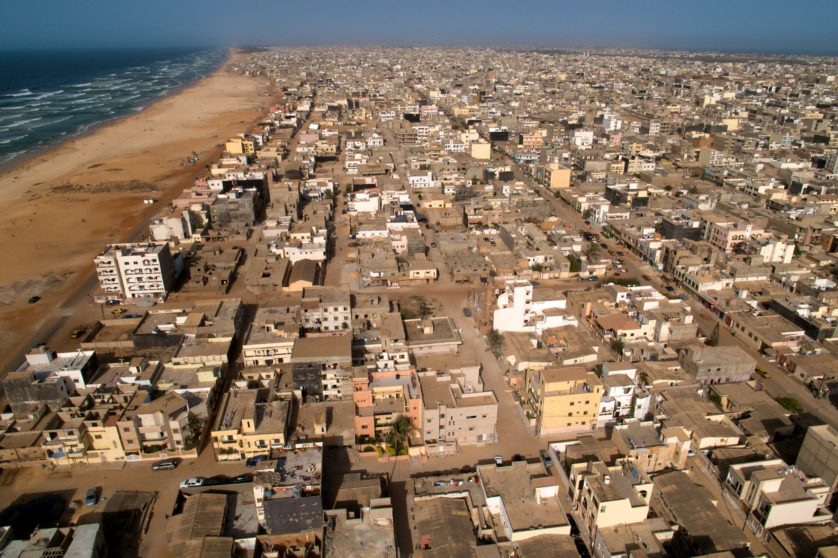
<point x="64" y="203"/>
<point x="10" y="166"/>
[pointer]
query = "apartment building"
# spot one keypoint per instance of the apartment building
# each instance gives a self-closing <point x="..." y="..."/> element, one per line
<point x="270" y="339"/>
<point x="159" y="424"/>
<point x="563" y="400"/>
<point x="384" y="394"/>
<point x="524" y="308"/>
<point x="251" y="422"/>
<point x="326" y="309"/>
<point x="773" y="495"/>
<point x="456" y="410"/>
<point x="607" y="496"/>
<point x="128" y="271"/>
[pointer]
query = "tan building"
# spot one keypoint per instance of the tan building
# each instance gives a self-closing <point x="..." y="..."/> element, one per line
<point x="608" y="496"/>
<point x="562" y="400"/>
<point x="158" y="424"/>
<point x="250" y="422"/>
<point x="456" y="410"/>
<point x="481" y="150"/>
<point x="819" y="454"/>
<point x="270" y="339"/>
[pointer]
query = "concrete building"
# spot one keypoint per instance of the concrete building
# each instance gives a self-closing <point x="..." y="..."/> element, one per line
<point x="456" y="410"/>
<point x="522" y="307"/>
<point x="717" y="365"/>
<point x="819" y="454"/>
<point x="161" y="423"/>
<point x="326" y="309"/>
<point x="251" y="422"/>
<point x="271" y="337"/>
<point x="523" y="500"/>
<point x="608" y="496"/>
<point x="774" y="495"/>
<point x="135" y="270"/>
<point x="563" y="400"/>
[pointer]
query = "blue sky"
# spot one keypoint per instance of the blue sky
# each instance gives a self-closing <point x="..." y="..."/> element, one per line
<point x="748" y="25"/>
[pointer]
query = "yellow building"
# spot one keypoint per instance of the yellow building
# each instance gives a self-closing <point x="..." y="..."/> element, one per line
<point x="563" y="399"/>
<point x="250" y="422"/>
<point x="240" y="146"/>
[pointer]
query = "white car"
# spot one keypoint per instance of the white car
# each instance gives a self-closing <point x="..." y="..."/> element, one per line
<point x="192" y="482"/>
<point x="498" y="460"/>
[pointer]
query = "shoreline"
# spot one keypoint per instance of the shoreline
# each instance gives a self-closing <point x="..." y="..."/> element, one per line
<point x="12" y="165"/>
<point x="63" y="204"/>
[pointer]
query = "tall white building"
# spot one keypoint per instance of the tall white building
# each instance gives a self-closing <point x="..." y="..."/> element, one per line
<point x="136" y="270"/>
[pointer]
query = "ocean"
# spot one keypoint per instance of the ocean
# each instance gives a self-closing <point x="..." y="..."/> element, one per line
<point x="48" y="96"/>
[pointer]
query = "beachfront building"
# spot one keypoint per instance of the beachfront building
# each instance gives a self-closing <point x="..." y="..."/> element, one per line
<point x="135" y="270"/>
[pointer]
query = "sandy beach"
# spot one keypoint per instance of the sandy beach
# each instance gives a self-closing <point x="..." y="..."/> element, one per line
<point x="58" y="209"/>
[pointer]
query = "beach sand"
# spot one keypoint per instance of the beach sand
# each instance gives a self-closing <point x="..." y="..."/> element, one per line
<point x="59" y="208"/>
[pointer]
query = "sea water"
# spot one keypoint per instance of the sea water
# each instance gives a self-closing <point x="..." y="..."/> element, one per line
<point x="48" y="96"/>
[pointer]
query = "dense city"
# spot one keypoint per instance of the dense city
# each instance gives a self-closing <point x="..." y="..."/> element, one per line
<point x="459" y="302"/>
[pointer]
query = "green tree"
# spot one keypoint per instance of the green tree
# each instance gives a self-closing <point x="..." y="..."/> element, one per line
<point x="790" y="404"/>
<point x="398" y="435"/>
<point x="668" y="188"/>
<point x="495" y="339"/>
<point x="537" y="267"/>
<point x="617" y="346"/>
<point x="575" y="264"/>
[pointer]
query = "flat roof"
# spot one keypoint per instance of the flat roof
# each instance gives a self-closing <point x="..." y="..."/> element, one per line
<point x="515" y="485"/>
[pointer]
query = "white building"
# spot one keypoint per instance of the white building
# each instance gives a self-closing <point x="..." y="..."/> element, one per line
<point x="522" y="308"/>
<point x="583" y="139"/>
<point x="136" y="270"/>
<point x="364" y="202"/>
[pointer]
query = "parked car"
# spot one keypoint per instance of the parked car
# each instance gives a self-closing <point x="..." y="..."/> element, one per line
<point x="255" y="460"/>
<point x="498" y="460"/>
<point x="113" y="303"/>
<point x="33" y="299"/>
<point x="593" y="278"/>
<point x="548" y="461"/>
<point x="78" y="332"/>
<point x="165" y="464"/>
<point x="192" y="482"/>
<point x="762" y="372"/>
<point x="246" y="477"/>
<point x="92" y="497"/>
<point x="619" y="253"/>
<point x="603" y="245"/>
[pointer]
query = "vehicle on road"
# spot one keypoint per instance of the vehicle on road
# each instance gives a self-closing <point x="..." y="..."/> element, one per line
<point x="33" y="299"/>
<point x="246" y="477"/>
<point x="619" y="253"/>
<point x="217" y="480"/>
<point x="113" y="303"/>
<point x="669" y="288"/>
<point x="498" y="460"/>
<point x="466" y="312"/>
<point x="192" y="482"/>
<point x="78" y="332"/>
<point x="166" y="464"/>
<point x="604" y="246"/>
<point x="593" y="278"/>
<point x="433" y="244"/>
<point x="762" y="372"/>
<point x="548" y="461"/>
<point x="255" y="460"/>
<point x="91" y="497"/>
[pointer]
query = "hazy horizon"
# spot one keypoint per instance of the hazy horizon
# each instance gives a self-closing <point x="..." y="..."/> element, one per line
<point x="746" y="26"/>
